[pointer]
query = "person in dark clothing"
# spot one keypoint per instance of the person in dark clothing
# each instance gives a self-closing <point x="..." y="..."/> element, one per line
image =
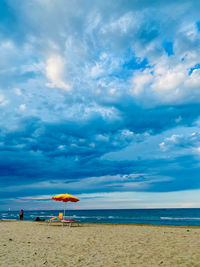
<point x="37" y="219"/>
<point x="21" y="214"/>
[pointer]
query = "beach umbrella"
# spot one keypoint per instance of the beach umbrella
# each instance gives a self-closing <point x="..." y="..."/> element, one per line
<point x="65" y="198"/>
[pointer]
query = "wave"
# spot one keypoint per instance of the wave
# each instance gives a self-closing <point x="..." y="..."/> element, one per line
<point x="179" y="218"/>
<point x="42" y="216"/>
<point x="121" y="218"/>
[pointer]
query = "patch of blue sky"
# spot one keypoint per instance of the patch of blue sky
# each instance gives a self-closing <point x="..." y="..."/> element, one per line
<point x="7" y="14"/>
<point x="198" y="25"/>
<point x="130" y="64"/>
<point x="9" y="25"/>
<point x="149" y="33"/>
<point x="196" y="67"/>
<point x="135" y="64"/>
<point x="168" y="47"/>
<point x="122" y="74"/>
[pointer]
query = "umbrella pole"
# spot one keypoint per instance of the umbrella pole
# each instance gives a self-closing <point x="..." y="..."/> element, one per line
<point x="64" y="208"/>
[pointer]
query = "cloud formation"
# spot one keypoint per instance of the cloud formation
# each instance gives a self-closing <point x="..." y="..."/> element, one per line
<point x="100" y="97"/>
<point x="54" y="71"/>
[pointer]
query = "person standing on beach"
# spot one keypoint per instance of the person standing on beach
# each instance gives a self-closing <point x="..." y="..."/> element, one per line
<point x="21" y="214"/>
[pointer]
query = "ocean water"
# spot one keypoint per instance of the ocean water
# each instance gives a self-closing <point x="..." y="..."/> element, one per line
<point x="187" y="217"/>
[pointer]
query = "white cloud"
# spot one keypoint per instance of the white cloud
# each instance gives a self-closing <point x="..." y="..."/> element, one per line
<point x="55" y="69"/>
<point x="140" y="80"/>
<point x="197" y="150"/>
<point x="61" y="147"/>
<point x="3" y="100"/>
<point x="122" y="24"/>
<point x="168" y="81"/>
<point x="7" y="45"/>
<point x="163" y="146"/>
<point x="36" y="197"/>
<point x="190" y="31"/>
<point x="170" y="141"/>
<point x="105" y="65"/>
<point x="18" y="91"/>
<point x="97" y="70"/>
<point x="22" y="107"/>
<point x="180" y="143"/>
<point x="174" y="138"/>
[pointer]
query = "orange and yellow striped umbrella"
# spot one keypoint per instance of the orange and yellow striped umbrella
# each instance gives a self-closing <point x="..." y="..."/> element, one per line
<point x="65" y="198"/>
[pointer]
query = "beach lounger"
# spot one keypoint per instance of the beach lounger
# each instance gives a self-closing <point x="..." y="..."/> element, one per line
<point x="60" y="218"/>
<point x="56" y="218"/>
<point x="69" y="222"/>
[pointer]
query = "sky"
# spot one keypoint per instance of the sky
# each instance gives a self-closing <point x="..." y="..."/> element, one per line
<point x="100" y="99"/>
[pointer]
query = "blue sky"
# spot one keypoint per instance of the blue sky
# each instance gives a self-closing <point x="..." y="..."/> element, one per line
<point x="100" y="99"/>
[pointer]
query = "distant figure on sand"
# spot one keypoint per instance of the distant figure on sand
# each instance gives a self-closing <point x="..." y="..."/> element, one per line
<point x="21" y="214"/>
<point x="37" y="219"/>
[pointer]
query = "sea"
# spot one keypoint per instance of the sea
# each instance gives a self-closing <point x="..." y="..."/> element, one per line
<point x="186" y="217"/>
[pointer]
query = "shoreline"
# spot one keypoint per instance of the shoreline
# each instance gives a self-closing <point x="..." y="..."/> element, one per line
<point x="114" y="224"/>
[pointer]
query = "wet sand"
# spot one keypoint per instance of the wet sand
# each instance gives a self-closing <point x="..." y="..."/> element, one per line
<point x="37" y="244"/>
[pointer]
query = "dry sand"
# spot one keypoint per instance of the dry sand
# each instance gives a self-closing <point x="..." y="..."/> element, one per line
<point x="36" y="244"/>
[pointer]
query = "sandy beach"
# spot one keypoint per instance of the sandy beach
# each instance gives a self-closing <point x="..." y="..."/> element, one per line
<point x="36" y="244"/>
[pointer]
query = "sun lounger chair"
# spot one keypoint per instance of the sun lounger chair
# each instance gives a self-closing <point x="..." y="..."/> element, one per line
<point x="60" y="218"/>
<point x="69" y="222"/>
<point x="56" y="218"/>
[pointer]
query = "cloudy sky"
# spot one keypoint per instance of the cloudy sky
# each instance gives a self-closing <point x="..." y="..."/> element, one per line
<point x="100" y="99"/>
